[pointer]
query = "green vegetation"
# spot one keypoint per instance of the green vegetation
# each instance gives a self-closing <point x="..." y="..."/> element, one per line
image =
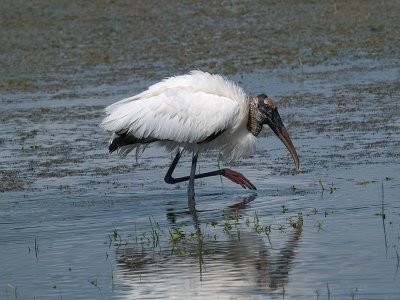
<point x="331" y="187"/>
<point x="176" y="235"/>
<point x="366" y="182"/>
<point x="185" y="241"/>
<point x="320" y="225"/>
<point x="13" y="289"/>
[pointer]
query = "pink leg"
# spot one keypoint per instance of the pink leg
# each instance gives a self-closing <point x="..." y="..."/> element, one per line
<point x="238" y="178"/>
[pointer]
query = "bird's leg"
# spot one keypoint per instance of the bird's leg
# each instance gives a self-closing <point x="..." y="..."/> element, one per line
<point x="168" y="177"/>
<point x="234" y="176"/>
<point x="191" y="179"/>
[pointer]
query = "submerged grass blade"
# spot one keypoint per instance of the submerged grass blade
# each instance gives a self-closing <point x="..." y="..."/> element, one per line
<point x="382" y="214"/>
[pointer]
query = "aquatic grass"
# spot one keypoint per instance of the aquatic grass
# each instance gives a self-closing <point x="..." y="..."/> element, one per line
<point x="13" y="289"/>
<point x="315" y="211"/>
<point x="114" y="237"/>
<point x="398" y="258"/>
<point x="332" y="188"/>
<point x="190" y="243"/>
<point x="235" y="217"/>
<point x="147" y="238"/>
<point x="363" y="182"/>
<point x="25" y="148"/>
<point x="282" y="228"/>
<point x="182" y="242"/>
<point x="212" y="223"/>
<point x="383" y="216"/>
<point x="291" y="222"/>
<point x="226" y="222"/>
<point x="176" y="235"/>
<point x="320" y="225"/>
<point x="93" y="282"/>
<point x="329" y="291"/>
<point x="298" y="191"/>
<point x="258" y="228"/>
<point x="299" y="219"/>
<point x="366" y="182"/>
<point x="115" y="234"/>
<point x="256" y="219"/>
<point x="353" y="293"/>
<point x="112" y="276"/>
<point x="229" y="221"/>
<point x="267" y="230"/>
<point x="227" y="227"/>
<point x="230" y="224"/>
<point x="296" y="223"/>
<point x="321" y="185"/>
<point x="36" y="248"/>
<point x="382" y="212"/>
<point x="300" y="61"/>
<point x="155" y="232"/>
<point x="136" y="235"/>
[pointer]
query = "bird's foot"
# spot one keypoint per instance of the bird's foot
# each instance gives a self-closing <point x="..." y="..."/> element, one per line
<point x="238" y="178"/>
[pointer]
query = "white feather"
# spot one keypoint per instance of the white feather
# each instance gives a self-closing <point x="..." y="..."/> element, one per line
<point x="182" y="111"/>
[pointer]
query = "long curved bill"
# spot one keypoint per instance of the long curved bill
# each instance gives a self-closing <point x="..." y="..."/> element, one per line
<point x="275" y="123"/>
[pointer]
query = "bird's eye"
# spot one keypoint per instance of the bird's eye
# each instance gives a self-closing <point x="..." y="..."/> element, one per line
<point x="262" y="101"/>
<point x="261" y="98"/>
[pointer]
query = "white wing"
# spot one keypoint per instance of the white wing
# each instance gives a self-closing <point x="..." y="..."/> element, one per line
<point x="183" y="111"/>
<point x="177" y="114"/>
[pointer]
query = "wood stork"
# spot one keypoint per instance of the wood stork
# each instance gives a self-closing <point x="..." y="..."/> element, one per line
<point x="195" y="112"/>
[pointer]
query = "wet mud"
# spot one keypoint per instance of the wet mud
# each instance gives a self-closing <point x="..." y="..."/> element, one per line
<point x="57" y="45"/>
<point x="57" y="52"/>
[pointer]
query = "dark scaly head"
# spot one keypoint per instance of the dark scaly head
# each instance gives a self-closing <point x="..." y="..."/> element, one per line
<point x="262" y="110"/>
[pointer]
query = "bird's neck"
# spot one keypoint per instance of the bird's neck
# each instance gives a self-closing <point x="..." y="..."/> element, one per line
<point x="254" y="123"/>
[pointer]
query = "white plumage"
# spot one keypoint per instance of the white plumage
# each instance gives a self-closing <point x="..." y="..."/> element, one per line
<point x="182" y="111"/>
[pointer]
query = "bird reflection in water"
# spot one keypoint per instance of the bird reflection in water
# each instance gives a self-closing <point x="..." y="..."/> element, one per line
<point x="250" y="258"/>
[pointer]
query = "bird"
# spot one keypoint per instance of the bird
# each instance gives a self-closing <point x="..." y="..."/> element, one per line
<point x="195" y="113"/>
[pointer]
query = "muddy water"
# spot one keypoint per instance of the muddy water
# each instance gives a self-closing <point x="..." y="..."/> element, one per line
<point x="78" y="223"/>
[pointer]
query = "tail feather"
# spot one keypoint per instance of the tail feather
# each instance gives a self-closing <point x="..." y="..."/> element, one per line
<point x="124" y="139"/>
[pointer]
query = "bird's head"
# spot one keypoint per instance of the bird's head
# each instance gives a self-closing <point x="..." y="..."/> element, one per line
<point x="264" y="111"/>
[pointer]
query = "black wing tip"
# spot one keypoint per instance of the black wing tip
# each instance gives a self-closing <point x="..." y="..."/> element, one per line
<point x="124" y="139"/>
<point x="211" y="137"/>
<point x="116" y="143"/>
<point x="112" y="148"/>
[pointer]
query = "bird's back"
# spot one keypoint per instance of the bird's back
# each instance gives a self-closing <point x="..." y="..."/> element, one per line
<point x="195" y="81"/>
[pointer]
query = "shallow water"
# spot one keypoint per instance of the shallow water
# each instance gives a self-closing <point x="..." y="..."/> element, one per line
<point x="82" y="224"/>
<point x="78" y="223"/>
